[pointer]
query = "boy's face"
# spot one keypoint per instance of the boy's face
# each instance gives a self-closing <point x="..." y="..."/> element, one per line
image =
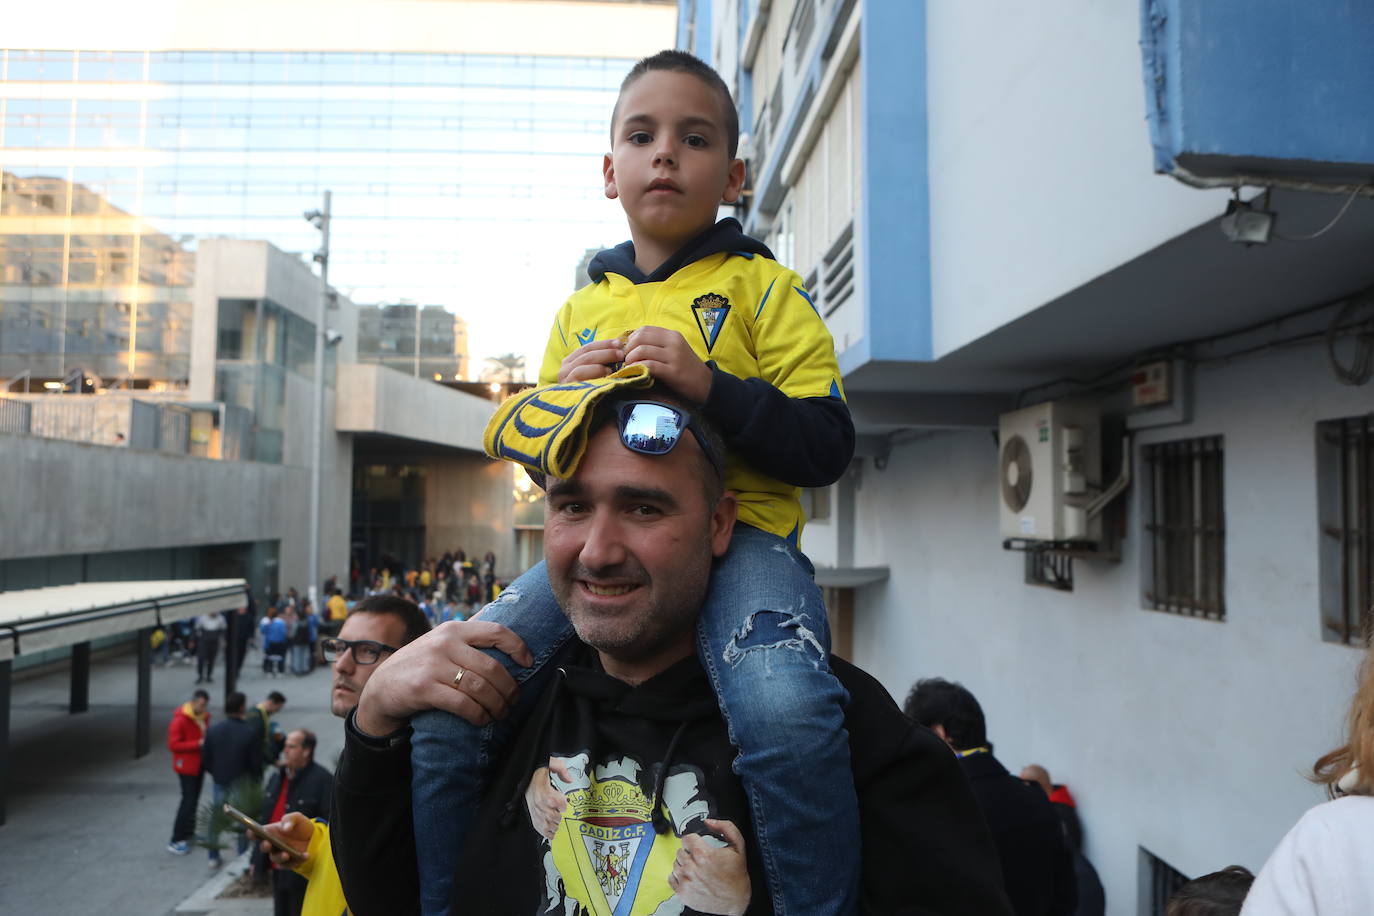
<point x="670" y="163"/>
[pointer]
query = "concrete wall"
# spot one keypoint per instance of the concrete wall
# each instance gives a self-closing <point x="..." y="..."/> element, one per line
<point x="70" y="498"/>
<point x="1040" y="165"/>
<point x="376" y="399"/>
<point x="1184" y="736"/>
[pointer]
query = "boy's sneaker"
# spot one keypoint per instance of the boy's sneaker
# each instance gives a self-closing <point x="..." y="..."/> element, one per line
<point x="179" y="847"/>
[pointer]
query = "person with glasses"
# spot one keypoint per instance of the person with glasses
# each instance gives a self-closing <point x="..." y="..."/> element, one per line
<point x="375" y="629"/>
<point x="712" y="315"/>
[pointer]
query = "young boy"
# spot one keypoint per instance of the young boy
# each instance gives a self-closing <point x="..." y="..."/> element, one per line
<point x="715" y="318"/>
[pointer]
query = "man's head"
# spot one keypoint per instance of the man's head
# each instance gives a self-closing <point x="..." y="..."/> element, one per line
<point x="200" y="700"/>
<point x="299" y="750"/>
<point x="1034" y="772"/>
<point x="629" y="540"/>
<point x="949" y="710"/>
<point x="376" y="622"/>
<point x="1219" y="894"/>
<point x="235" y="704"/>
<point x="674" y="136"/>
<point x="274" y="702"/>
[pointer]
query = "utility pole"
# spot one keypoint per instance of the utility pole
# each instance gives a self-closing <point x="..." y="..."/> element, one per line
<point x="320" y="220"/>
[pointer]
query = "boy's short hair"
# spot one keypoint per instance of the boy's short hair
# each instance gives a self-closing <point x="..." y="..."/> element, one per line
<point x="681" y="62"/>
<point x="1219" y="894"/>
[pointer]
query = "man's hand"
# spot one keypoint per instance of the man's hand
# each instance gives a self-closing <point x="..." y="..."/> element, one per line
<point x="590" y="361"/>
<point x="420" y="676"/>
<point x="545" y="803"/>
<point x="671" y="361"/>
<point x="709" y="878"/>
<point x="295" y="831"/>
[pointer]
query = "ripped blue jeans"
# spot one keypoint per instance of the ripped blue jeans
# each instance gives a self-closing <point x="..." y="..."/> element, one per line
<point x="764" y="642"/>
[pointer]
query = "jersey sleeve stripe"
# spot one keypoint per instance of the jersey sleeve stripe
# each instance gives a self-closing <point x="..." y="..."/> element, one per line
<point x="764" y="301"/>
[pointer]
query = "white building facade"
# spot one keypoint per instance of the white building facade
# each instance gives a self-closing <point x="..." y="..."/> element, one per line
<point x="972" y="194"/>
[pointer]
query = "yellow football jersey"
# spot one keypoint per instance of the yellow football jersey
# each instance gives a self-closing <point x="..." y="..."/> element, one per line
<point x="746" y="313"/>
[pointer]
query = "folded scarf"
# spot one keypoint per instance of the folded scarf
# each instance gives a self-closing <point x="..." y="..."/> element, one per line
<point x="546" y="428"/>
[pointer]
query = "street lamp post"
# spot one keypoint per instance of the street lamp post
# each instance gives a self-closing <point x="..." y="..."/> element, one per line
<point x="320" y="220"/>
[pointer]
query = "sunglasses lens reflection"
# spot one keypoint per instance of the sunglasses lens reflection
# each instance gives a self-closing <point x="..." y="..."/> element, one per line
<point x="650" y="428"/>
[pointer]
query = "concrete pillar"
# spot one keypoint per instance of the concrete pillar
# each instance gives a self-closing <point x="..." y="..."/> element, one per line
<point x="5" y="669"/>
<point x="144" y="705"/>
<point x="81" y="678"/>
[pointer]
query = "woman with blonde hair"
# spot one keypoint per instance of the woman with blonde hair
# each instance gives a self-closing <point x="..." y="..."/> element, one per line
<point x="1325" y="865"/>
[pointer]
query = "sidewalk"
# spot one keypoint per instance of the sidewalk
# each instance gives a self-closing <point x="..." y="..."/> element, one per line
<point x="87" y="823"/>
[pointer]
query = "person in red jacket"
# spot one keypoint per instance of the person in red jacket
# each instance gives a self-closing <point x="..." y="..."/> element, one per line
<point x="185" y="735"/>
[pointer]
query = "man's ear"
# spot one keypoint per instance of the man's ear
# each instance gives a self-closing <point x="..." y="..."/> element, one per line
<point x="723" y="523"/>
<point x="608" y="174"/>
<point x="734" y="181"/>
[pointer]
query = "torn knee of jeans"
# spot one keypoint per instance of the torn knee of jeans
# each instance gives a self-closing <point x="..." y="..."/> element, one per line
<point x="765" y="630"/>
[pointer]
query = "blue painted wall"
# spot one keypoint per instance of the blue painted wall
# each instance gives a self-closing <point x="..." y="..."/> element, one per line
<point x="1278" y="85"/>
<point x="894" y="216"/>
<point x="694" y="19"/>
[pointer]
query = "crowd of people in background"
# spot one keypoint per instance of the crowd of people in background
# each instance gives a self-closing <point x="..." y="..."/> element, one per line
<point x="449" y="587"/>
<point x="246" y="747"/>
<point x="288" y="631"/>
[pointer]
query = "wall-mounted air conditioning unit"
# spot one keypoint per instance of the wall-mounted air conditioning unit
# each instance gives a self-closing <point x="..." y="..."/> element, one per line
<point x="1050" y="470"/>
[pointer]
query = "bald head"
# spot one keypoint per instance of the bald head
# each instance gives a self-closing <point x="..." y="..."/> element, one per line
<point x="1037" y="774"/>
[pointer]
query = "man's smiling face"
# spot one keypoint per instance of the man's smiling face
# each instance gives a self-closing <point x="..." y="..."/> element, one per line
<point x="629" y="541"/>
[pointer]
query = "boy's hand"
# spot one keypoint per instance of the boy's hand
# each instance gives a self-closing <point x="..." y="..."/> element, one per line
<point x="671" y="361"/>
<point x="545" y="803"/>
<point x="710" y="875"/>
<point x="590" y="361"/>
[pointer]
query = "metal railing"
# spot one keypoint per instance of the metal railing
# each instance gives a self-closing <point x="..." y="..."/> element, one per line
<point x="137" y="424"/>
<point x="15" y="416"/>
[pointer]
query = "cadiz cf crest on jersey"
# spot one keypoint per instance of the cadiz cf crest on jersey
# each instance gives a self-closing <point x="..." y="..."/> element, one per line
<point x="606" y="855"/>
<point x="710" y="311"/>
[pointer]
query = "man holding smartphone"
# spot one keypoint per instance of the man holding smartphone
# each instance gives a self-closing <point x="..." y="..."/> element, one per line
<point x="376" y="627"/>
<point x="302" y="786"/>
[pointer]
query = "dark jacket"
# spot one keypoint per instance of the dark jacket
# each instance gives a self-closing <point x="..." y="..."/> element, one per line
<point x="666" y="761"/>
<point x="1036" y="864"/>
<point x="308" y="793"/>
<point x="232" y="751"/>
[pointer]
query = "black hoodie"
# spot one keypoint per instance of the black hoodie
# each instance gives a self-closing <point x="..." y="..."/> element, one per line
<point x="649" y="763"/>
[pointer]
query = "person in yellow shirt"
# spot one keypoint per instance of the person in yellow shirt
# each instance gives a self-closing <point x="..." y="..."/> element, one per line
<point x="338" y="607"/>
<point x="378" y="626"/>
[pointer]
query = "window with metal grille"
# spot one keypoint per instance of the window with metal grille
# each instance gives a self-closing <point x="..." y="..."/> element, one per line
<point x="1345" y="497"/>
<point x="1158" y="882"/>
<point x="1186" y="528"/>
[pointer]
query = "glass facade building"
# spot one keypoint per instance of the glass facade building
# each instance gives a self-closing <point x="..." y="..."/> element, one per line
<point x="115" y="163"/>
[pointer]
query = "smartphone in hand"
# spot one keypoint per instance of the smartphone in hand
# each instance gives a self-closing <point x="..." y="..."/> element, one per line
<point x="257" y="830"/>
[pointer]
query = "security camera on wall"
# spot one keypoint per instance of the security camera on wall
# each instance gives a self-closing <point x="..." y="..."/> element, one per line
<point x="333" y="336"/>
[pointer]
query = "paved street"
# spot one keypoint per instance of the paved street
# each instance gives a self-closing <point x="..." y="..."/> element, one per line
<point x="87" y="823"/>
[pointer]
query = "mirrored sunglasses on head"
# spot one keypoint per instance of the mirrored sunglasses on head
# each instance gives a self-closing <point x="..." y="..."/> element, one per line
<point x="655" y="428"/>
